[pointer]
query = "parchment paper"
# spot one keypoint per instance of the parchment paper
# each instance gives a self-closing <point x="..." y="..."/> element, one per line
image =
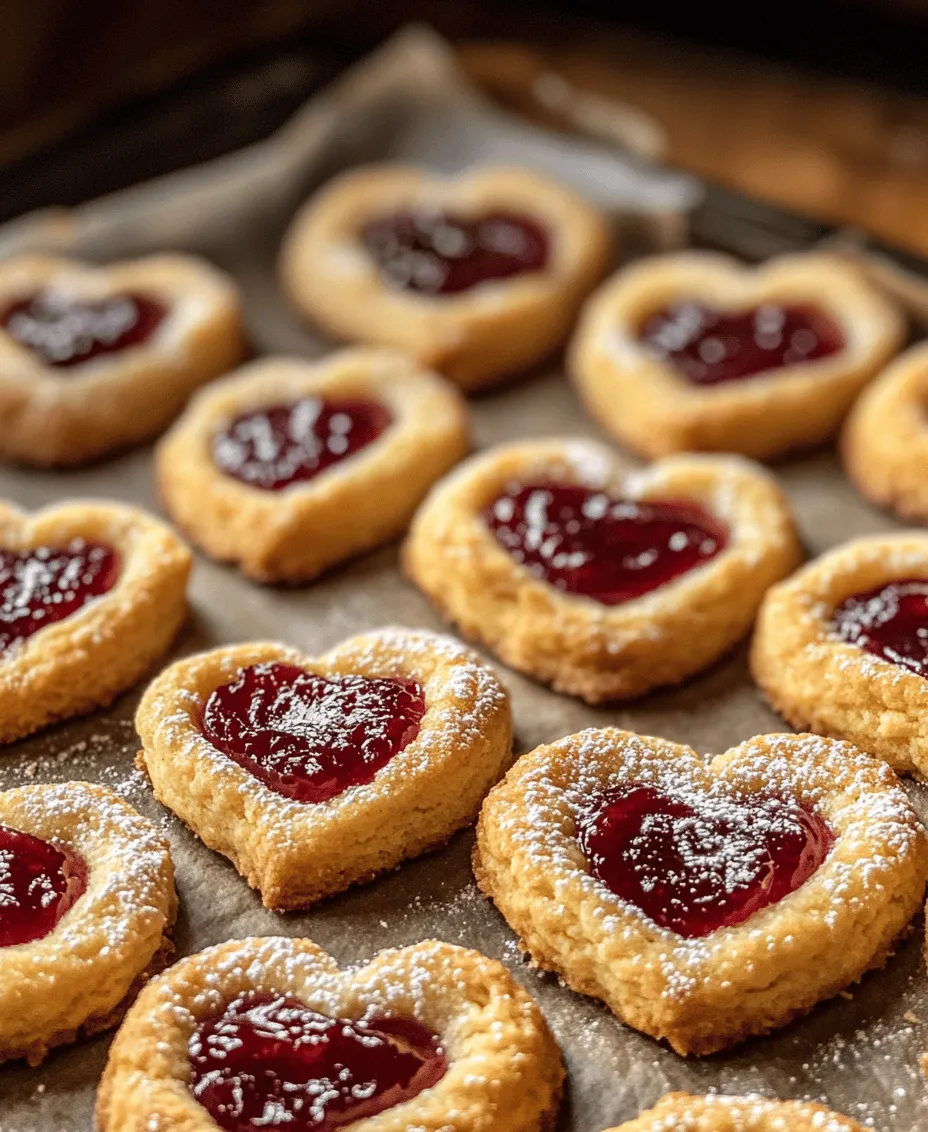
<point x="859" y="1052"/>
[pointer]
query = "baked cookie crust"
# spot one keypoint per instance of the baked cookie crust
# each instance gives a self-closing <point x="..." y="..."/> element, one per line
<point x="704" y="994"/>
<point x="296" y="853"/>
<point x="477" y="336"/>
<point x="504" y="1068"/>
<point x="578" y="645"/>
<point x="681" y="1112"/>
<point x="79" y="979"/>
<point x="50" y="417"/>
<point x="819" y="682"/>
<point x="294" y="534"/>
<point x="885" y="441"/>
<point x="654" y="410"/>
<point x="72" y="666"/>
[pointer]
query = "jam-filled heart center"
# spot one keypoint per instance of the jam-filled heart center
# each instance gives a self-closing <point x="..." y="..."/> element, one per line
<point x="270" y="1061"/>
<point x="279" y="445"/>
<point x="39" y="882"/>
<point x="63" y="330"/>
<point x="311" y="737"/>
<point x="708" y="346"/>
<point x="590" y="544"/>
<point x="889" y="621"/>
<point x="48" y="583"/>
<point x="438" y="253"/>
<point x="698" y="862"/>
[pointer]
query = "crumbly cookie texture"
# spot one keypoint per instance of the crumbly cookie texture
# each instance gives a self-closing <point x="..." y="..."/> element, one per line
<point x="80" y="978"/>
<point x="295" y="853"/>
<point x="54" y="418"/>
<point x="680" y="1112"/>
<point x="819" y="682"/>
<point x="474" y="337"/>
<point x="292" y="535"/>
<point x="578" y="645"/>
<point x="647" y="405"/>
<point x="703" y="994"/>
<point x="885" y="441"/>
<point x="84" y="661"/>
<point x="504" y="1068"/>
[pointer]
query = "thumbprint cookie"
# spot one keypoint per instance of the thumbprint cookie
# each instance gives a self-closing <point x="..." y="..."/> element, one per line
<point x="602" y="581"/>
<point x="91" y="593"/>
<point x="479" y="276"/>
<point x="313" y="775"/>
<point x="289" y="467"/>
<point x="271" y="1032"/>
<point x="841" y="648"/>
<point x="680" y="1112"/>
<point x="87" y="904"/>
<point x="93" y="359"/>
<point x="885" y="440"/>
<point x="703" y="903"/>
<point x="693" y="351"/>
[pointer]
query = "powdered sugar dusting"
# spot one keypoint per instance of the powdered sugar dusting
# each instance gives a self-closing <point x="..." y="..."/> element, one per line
<point x="750" y="1111"/>
<point x="429" y="981"/>
<point x="101" y="756"/>
<point x="127" y="884"/>
<point x="699" y="860"/>
<point x="876" y="829"/>
<point x="309" y="737"/>
<point x="463" y="697"/>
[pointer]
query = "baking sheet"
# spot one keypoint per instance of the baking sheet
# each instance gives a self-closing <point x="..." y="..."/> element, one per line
<point x="858" y="1053"/>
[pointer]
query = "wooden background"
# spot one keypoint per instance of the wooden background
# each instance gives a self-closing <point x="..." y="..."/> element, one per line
<point x="836" y="149"/>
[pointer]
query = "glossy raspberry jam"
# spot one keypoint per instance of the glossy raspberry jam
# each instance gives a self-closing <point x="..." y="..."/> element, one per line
<point x="699" y="863"/>
<point x="709" y="346"/>
<point x="39" y="882"/>
<point x="309" y="737"/>
<point x="271" y="1062"/>
<point x="437" y="253"/>
<point x="890" y="621"/>
<point x="284" y="444"/>
<point x="612" y="550"/>
<point x="49" y="583"/>
<point x="64" y="331"/>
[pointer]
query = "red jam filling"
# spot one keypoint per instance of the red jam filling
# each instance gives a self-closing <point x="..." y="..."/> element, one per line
<point x="39" y="882"/>
<point x="271" y="1062"/>
<point x="709" y="346"/>
<point x="311" y="737"/>
<point x="64" y="331"/>
<point x="285" y="444"/>
<point x="612" y="550"/>
<point x="890" y="621"/>
<point x="703" y="863"/>
<point x="436" y="253"/>
<point x="49" y="583"/>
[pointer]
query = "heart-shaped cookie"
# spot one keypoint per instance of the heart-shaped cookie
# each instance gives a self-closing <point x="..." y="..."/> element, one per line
<point x="87" y="903"/>
<point x="313" y="775"/>
<point x="841" y="647"/>
<point x="693" y="351"/>
<point x="90" y="594"/>
<point x="703" y="902"/>
<point x="478" y="276"/>
<point x="680" y="1112"/>
<point x="430" y="1037"/>
<point x="885" y="441"/>
<point x="598" y="579"/>
<point x="289" y="466"/>
<point x="97" y="358"/>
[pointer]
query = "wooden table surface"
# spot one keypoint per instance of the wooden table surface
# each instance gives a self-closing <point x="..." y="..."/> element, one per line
<point x="837" y="151"/>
